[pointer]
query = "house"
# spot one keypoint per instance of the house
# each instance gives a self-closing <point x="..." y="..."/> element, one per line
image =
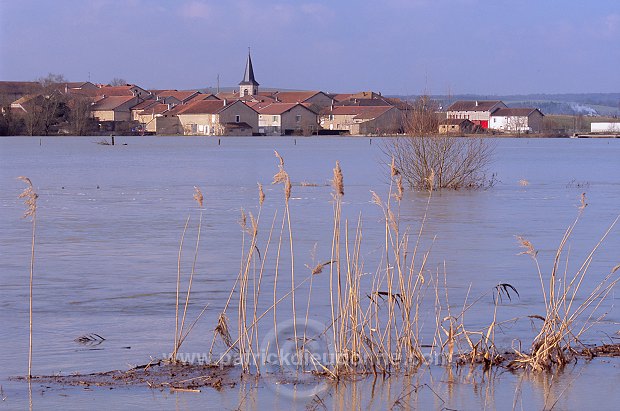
<point x="363" y="120"/>
<point x="10" y="91"/>
<point x="478" y="112"/>
<point x="517" y="120"/>
<point x="148" y="117"/>
<point x="285" y="118"/>
<point x="312" y="98"/>
<point x="137" y="110"/>
<point x="456" y="126"/>
<point x="126" y="90"/>
<point x="605" y="127"/>
<point x="114" y="108"/>
<point x="176" y="97"/>
<point x="216" y="117"/>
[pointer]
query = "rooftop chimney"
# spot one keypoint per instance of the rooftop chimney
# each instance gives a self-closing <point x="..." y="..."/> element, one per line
<point x="476" y="103"/>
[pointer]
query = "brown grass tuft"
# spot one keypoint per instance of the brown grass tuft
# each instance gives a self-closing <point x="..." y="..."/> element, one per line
<point x="529" y="247"/>
<point x="198" y="196"/>
<point x="29" y="196"/>
<point x="261" y="194"/>
<point x="338" y="181"/>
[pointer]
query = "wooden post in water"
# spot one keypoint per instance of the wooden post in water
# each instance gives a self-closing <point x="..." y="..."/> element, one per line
<point x="218" y="141"/>
<point x="112" y="135"/>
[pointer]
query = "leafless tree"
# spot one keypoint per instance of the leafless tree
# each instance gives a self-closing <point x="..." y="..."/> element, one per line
<point x="80" y="119"/>
<point x="421" y="118"/>
<point x="118" y="82"/>
<point x="428" y="160"/>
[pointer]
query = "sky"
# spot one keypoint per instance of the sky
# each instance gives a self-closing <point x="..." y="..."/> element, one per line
<point x="389" y="46"/>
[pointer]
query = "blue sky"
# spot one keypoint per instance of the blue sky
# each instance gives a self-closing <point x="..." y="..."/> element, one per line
<point x="391" y="46"/>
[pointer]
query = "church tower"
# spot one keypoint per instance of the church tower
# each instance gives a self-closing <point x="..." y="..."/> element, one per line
<point x="249" y="85"/>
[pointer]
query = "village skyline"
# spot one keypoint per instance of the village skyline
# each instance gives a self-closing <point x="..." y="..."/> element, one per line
<point x="398" y="47"/>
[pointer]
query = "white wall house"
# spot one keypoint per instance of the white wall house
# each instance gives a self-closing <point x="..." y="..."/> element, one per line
<point x="478" y="111"/>
<point x="517" y="120"/>
<point x="605" y="127"/>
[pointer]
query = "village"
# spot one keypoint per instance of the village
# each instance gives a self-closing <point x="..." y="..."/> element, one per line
<point x="86" y="108"/>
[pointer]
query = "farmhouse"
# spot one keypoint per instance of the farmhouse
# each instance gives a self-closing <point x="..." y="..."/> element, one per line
<point x="517" y="120"/>
<point x="363" y="120"/>
<point x="456" y="126"/>
<point x="114" y="108"/>
<point x="216" y="117"/>
<point x="478" y="112"/>
<point x="285" y="119"/>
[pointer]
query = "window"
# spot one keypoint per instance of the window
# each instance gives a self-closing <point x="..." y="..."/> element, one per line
<point x="331" y="116"/>
<point x="245" y="91"/>
<point x="275" y="118"/>
<point x="237" y="118"/>
<point x="298" y="118"/>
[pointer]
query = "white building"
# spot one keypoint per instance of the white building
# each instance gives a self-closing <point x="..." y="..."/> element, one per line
<point x="605" y="127"/>
<point x="517" y="120"/>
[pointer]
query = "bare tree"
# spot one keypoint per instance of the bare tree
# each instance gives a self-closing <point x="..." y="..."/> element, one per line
<point x="80" y="119"/>
<point x="118" y="82"/>
<point x="421" y="118"/>
<point x="428" y="160"/>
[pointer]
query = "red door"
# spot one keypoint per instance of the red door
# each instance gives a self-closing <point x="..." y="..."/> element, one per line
<point x="484" y="123"/>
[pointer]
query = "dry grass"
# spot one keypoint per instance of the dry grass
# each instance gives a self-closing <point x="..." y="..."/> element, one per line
<point x="375" y="319"/>
<point x="569" y="311"/>
<point x="181" y="332"/>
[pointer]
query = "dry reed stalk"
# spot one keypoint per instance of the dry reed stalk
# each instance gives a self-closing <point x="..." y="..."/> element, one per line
<point x="181" y="333"/>
<point x="178" y="289"/>
<point x="552" y="347"/>
<point x="30" y="201"/>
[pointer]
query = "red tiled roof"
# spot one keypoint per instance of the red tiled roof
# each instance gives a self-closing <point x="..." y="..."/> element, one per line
<point x="201" y="97"/>
<point x="158" y="108"/>
<point x="358" y="110"/>
<point x="182" y="96"/>
<point x="342" y="97"/>
<point x="200" y="107"/>
<point x="371" y="112"/>
<point x="466" y="105"/>
<point x="516" y="112"/>
<point x="294" y="96"/>
<point x="274" y="108"/>
<point x="145" y="104"/>
<point x="111" y="102"/>
<point x="116" y="90"/>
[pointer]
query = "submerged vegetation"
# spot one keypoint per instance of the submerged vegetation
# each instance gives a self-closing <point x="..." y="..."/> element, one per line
<point x="380" y="317"/>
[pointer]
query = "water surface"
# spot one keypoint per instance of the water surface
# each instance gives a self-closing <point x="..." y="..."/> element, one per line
<point x="110" y="219"/>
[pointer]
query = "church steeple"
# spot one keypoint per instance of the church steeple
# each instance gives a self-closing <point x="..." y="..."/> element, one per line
<point x="249" y="85"/>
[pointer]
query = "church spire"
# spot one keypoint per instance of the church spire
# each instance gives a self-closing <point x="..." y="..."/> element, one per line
<point x="249" y="85"/>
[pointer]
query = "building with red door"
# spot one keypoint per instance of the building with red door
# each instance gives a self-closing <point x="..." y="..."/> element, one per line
<point x="478" y="112"/>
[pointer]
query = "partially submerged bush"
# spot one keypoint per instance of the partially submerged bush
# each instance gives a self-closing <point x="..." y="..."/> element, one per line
<point x="441" y="161"/>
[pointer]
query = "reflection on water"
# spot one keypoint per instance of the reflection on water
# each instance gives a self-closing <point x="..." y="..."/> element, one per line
<point x="110" y="219"/>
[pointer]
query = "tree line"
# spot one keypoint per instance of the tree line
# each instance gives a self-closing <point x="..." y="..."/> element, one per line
<point x="48" y="109"/>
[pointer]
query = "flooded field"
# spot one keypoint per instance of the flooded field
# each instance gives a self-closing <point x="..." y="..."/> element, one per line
<point x="110" y="219"/>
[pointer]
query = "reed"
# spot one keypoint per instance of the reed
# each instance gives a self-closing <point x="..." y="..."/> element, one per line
<point x="375" y="324"/>
<point x="569" y="312"/>
<point x="30" y="197"/>
<point x="180" y="332"/>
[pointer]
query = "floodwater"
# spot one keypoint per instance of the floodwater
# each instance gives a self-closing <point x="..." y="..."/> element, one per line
<point x="110" y="218"/>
